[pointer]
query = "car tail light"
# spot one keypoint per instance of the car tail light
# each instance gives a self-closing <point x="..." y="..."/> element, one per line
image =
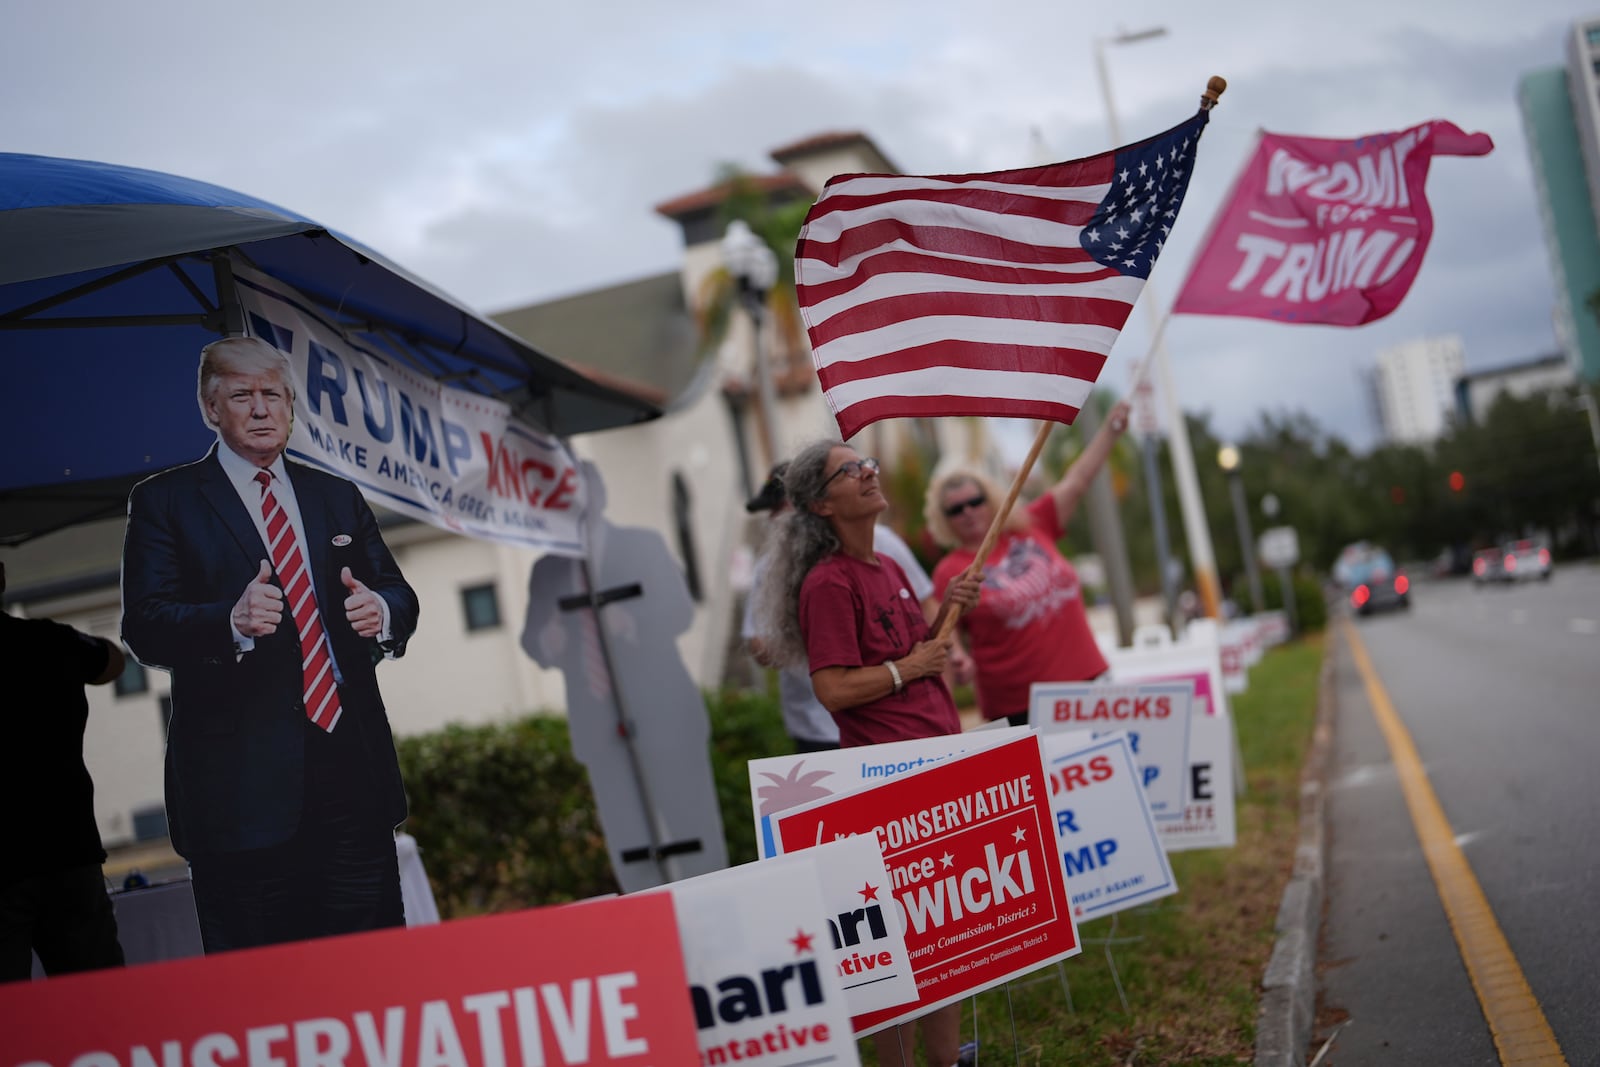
<point x="1511" y="563"/>
<point x="1361" y="595"/>
<point x="1401" y="584"/>
<point x="1544" y="557"/>
<point x="1479" y="566"/>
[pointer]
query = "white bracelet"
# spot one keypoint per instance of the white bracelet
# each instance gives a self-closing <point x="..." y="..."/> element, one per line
<point x="894" y="672"/>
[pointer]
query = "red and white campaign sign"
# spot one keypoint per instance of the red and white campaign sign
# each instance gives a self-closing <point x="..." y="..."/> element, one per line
<point x="594" y="983"/>
<point x="974" y="871"/>
<point x="1208" y="808"/>
<point x="1208" y="799"/>
<point x="1155" y="715"/>
<point x="1323" y="231"/>
<point x="778" y="783"/>
<point x="1197" y="657"/>
<point x="1109" y="843"/>
<point x="761" y="970"/>
<point x="868" y="947"/>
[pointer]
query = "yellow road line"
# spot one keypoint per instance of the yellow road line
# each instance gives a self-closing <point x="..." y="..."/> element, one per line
<point x="1515" y="1019"/>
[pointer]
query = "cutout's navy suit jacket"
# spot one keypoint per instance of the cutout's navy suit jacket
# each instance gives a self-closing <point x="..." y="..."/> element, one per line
<point x="236" y="743"/>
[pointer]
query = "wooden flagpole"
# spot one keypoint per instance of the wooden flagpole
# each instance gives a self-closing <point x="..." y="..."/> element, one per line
<point x="1215" y="86"/>
<point x="952" y="617"/>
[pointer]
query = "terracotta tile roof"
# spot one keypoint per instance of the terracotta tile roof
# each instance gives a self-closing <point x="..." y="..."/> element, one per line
<point x="768" y="183"/>
<point x="818" y="142"/>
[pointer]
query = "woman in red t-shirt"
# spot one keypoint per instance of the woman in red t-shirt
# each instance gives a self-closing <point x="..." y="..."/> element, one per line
<point x="1030" y="624"/>
<point x="830" y="601"/>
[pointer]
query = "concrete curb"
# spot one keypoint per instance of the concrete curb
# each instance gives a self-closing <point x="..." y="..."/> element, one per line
<point x="1289" y="986"/>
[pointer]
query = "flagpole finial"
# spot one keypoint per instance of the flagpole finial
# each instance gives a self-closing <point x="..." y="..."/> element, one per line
<point x="1214" y="89"/>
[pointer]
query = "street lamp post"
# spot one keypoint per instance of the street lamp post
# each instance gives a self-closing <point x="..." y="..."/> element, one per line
<point x="1105" y="524"/>
<point x="1228" y="460"/>
<point x="754" y="267"/>
<point x="1201" y="558"/>
<point x="1121" y="37"/>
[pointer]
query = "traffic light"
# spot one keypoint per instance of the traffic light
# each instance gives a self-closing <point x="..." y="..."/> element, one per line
<point x="1457" y="483"/>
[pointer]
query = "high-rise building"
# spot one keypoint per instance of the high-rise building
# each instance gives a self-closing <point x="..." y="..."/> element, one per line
<point x="1561" y="116"/>
<point x="1415" y="384"/>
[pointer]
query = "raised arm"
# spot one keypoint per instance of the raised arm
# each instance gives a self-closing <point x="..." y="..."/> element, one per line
<point x="1075" y="482"/>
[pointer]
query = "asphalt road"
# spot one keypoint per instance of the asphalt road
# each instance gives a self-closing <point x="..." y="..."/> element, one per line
<point x="1499" y="688"/>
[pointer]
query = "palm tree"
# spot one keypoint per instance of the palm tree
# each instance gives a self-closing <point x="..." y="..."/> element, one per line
<point x="778" y="224"/>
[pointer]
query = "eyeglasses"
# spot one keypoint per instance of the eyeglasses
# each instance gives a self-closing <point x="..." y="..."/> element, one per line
<point x="952" y="510"/>
<point x="854" y="468"/>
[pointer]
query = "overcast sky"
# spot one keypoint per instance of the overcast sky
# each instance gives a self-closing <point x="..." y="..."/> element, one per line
<point x="513" y="152"/>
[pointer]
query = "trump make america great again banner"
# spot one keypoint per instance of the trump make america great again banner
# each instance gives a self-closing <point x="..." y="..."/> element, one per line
<point x="1323" y="231"/>
<point x="450" y="457"/>
<point x="983" y="294"/>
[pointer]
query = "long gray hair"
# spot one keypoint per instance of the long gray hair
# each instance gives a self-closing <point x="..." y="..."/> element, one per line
<point x="798" y="540"/>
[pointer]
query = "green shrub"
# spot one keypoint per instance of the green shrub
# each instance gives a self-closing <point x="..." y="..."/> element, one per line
<point x="1310" y="606"/>
<point x="504" y="816"/>
<point x="506" y="819"/>
<point x="744" y="726"/>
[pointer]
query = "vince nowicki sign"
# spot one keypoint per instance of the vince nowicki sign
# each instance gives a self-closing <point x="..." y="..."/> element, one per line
<point x="778" y="783"/>
<point x="1109" y="844"/>
<point x="450" y="457"/>
<point x="600" y="983"/>
<point x="974" y="871"/>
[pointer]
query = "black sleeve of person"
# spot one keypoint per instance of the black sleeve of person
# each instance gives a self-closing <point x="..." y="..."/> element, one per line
<point x="88" y="656"/>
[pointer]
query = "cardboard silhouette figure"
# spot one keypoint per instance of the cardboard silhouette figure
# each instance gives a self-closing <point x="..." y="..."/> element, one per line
<point x="610" y="623"/>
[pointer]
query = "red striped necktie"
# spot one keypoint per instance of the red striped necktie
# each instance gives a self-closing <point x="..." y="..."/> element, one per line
<point x="316" y="661"/>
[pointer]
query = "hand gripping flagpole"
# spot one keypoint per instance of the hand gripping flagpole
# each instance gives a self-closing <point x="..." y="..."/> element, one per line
<point x="946" y="620"/>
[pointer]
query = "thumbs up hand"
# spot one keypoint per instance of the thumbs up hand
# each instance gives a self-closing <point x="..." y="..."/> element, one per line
<point x="362" y="607"/>
<point x="259" y="608"/>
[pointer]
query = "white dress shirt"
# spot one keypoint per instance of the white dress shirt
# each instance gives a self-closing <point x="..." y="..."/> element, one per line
<point x="242" y="475"/>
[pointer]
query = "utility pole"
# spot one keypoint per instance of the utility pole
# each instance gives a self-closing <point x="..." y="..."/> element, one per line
<point x="1105" y="530"/>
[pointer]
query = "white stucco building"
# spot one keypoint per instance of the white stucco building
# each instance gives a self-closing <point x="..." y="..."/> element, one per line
<point x="1415" y="387"/>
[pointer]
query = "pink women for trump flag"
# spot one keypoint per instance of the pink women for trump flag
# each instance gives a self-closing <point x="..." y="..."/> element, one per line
<point x="1323" y="231"/>
<point x="983" y="294"/>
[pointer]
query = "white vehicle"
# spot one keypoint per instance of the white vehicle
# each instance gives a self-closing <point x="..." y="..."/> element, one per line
<point x="1525" y="560"/>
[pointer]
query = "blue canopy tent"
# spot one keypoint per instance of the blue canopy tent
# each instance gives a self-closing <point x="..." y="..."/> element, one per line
<point x="113" y="278"/>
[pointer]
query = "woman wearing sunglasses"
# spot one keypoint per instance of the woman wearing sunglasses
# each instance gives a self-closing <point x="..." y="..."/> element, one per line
<point x="849" y="614"/>
<point x="1030" y="624"/>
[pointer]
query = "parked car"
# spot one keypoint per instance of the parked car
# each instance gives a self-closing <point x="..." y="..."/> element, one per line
<point x="1525" y="560"/>
<point x="1488" y="565"/>
<point x="1375" y="583"/>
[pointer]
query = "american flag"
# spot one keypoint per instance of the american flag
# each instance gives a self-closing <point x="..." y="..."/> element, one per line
<point x="983" y="294"/>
